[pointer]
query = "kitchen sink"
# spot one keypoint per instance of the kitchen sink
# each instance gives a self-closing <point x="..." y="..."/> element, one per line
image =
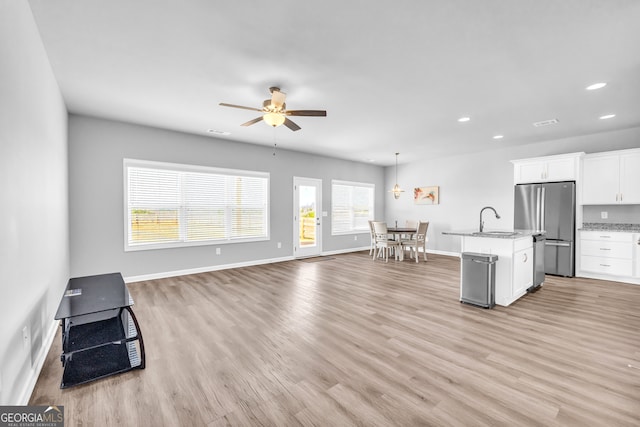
<point x="496" y="233"/>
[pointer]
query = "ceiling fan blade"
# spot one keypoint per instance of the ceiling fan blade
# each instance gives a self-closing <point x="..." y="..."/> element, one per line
<point x="251" y="122"/>
<point x="308" y="113"/>
<point x="277" y="98"/>
<point x="240" y="106"/>
<point x="288" y="123"/>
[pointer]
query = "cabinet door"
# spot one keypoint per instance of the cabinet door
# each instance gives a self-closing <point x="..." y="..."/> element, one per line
<point x="601" y="180"/>
<point x="530" y="172"/>
<point x="561" y="169"/>
<point x="636" y="262"/>
<point x="630" y="178"/>
<point x="522" y="271"/>
<point x="611" y="266"/>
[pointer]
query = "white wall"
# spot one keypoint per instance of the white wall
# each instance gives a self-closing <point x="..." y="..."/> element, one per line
<point x="34" y="248"/>
<point x="96" y="150"/>
<point x="472" y="181"/>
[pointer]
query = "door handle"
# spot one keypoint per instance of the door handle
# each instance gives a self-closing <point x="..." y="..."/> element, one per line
<point x="542" y="209"/>
<point x="557" y="244"/>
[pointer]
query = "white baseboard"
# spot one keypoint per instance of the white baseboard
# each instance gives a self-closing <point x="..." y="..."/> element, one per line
<point x="175" y="273"/>
<point x="344" y="251"/>
<point x="30" y="384"/>
<point x="445" y="253"/>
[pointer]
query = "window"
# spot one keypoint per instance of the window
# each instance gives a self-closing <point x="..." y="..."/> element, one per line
<point x="171" y="205"/>
<point x="352" y="206"/>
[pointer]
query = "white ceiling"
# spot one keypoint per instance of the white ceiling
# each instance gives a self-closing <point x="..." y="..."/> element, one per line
<point x="394" y="76"/>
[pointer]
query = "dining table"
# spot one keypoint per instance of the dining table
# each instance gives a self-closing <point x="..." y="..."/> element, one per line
<point x="398" y="232"/>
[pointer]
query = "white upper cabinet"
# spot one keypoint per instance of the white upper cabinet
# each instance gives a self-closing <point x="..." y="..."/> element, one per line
<point x="611" y="178"/>
<point x="630" y="177"/>
<point x="564" y="167"/>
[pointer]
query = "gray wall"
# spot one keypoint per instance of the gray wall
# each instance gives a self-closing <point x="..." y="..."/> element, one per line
<point x="34" y="248"/>
<point x="469" y="182"/>
<point x="96" y="150"/>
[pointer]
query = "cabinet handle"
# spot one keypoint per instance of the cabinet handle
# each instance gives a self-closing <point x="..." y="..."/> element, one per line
<point x="620" y="196"/>
<point x="524" y="258"/>
<point x="605" y="265"/>
<point x="605" y="249"/>
<point x="605" y="237"/>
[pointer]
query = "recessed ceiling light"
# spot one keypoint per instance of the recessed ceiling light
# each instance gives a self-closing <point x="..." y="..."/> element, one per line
<point x="596" y="86"/>
<point x="498" y="136"/>
<point x="464" y="119"/>
<point x="219" y="132"/>
<point x="370" y="160"/>
<point x="608" y="116"/>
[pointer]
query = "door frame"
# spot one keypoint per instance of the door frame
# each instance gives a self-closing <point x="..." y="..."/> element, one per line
<point x="317" y="249"/>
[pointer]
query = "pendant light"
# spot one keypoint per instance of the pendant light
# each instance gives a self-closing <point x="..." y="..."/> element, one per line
<point x="396" y="188"/>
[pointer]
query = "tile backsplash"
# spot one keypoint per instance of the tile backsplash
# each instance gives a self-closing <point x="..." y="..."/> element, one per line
<point x="616" y="214"/>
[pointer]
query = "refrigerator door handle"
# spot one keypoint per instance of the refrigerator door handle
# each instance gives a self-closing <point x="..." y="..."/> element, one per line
<point x="537" y="209"/>
<point x="542" y="223"/>
<point x="550" y="243"/>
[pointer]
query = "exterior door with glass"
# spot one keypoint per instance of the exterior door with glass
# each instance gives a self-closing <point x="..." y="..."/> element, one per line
<point x="307" y="204"/>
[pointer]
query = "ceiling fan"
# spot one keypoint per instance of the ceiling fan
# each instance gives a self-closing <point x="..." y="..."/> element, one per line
<point x="275" y="111"/>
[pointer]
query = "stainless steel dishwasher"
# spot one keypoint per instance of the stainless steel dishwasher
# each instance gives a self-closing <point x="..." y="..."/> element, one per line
<point x="478" y="282"/>
<point x="538" y="261"/>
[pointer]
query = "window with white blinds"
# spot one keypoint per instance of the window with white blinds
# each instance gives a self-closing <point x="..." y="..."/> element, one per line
<point x="352" y="206"/>
<point x="171" y="205"/>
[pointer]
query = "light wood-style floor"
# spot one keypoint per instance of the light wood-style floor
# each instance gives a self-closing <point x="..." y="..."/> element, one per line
<point x="348" y="341"/>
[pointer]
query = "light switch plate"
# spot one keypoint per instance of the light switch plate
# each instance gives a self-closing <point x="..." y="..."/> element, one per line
<point x="604" y="215"/>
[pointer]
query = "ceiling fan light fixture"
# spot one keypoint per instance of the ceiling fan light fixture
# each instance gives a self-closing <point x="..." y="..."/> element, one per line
<point x="273" y="119"/>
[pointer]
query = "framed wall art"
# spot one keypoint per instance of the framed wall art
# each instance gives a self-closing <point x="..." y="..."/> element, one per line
<point x="426" y="195"/>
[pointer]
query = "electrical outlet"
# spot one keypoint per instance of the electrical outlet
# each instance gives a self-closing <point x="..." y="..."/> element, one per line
<point x="218" y="251"/>
<point x="279" y="245"/>
<point x="604" y="215"/>
<point x="355" y="237"/>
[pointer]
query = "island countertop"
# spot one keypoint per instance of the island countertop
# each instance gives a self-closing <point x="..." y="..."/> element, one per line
<point x="495" y="234"/>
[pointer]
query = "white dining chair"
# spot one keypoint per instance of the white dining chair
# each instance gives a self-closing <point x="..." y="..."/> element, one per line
<point x="419" y="239"/>
<point x="383" y="244"/>
<point x="372" y="235"/>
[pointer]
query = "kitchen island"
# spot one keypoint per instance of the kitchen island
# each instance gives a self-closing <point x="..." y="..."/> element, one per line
<point x="514" y="270"/>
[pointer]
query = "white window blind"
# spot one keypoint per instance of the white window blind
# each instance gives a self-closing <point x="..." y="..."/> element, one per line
<point x="352" y="206"/>
<point x="169" y="205"/>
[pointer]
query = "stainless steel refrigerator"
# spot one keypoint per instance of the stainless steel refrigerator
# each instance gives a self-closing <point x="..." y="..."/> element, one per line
<point x="550" y="207"/>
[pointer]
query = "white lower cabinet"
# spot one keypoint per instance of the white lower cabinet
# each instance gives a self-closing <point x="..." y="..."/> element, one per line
<point x="522" y="271"/>
<point x="609" y="253"/>
<point x="636" y="248"/>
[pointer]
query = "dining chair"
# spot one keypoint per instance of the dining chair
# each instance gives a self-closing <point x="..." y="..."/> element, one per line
<point x="409" y="224"/>
<point x="419" y="239"/>
<point x="383" y="243"/>
<point x="372" y="234"/>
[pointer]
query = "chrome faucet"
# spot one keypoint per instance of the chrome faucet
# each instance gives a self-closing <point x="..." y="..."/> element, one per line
<point x="482" y="210"/>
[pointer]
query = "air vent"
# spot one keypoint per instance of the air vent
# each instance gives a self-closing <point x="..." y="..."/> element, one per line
<point x="546" y="123"/>
<point x="218" y="132"/>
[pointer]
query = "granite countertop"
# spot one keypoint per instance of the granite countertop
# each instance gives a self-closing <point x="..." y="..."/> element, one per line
<point x="500" y="234"/>
<point x="601" y="226"/>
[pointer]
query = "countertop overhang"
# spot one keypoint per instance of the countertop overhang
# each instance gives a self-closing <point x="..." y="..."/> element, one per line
<point x="499" y="234"/>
